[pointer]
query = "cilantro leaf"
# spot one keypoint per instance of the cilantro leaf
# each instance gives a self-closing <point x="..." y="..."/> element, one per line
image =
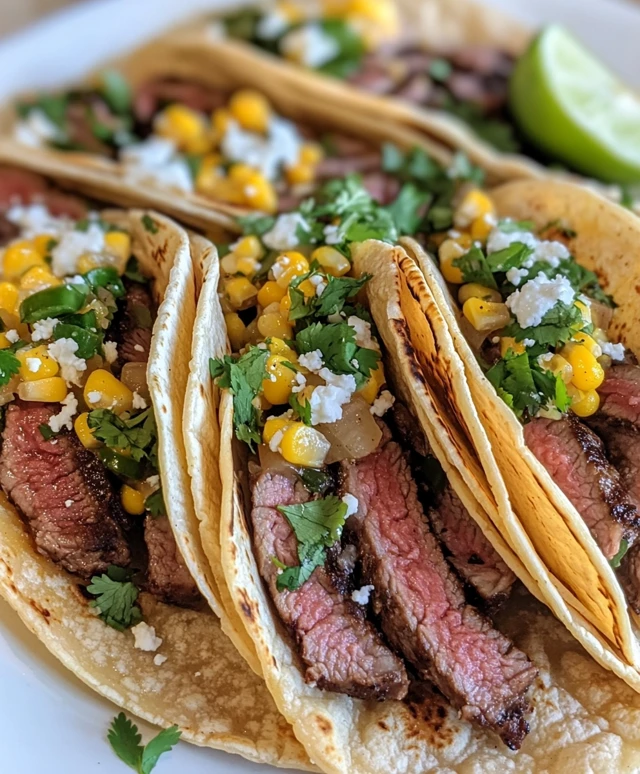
<point x="116" y="91"/>
<point x="125" y="741"/>
<point x="149" y="224"/>
<point x="46" y="432"/>
<point x="9" y="366"/>
<point x="511" y="257"/>
<point x="316" y="481"/>
<point x="89" y="343"/>
<point x="137" y="435"/>
<point x="115" y="600"/>
<point x="557" y="327"/>
<point x="293" y="578"/>
<point x="302" y="408"/>
<point x="336" y="341"/>
<point x="133" y="272"/>
<point x="562" y="397"/>
<point x="508" y="226"/>
<point x="350" y="48"/>
<point x="155" y="503"/>
<point x="475" y="268"/>
<point x="615" y="561"/>
<point x="407" y="209"/>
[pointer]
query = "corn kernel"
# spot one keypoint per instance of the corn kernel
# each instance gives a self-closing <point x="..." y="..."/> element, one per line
<point x="260" y="194"/>
<point x="331" y="260"/>
<point x="289" y="266"/>
<point x="18" y="257"/>
<point x="41" y="243"/>
<point x="270" y="293"/>
<point x="311" y="154"/>
<point x="9" y="297"/>
<point x="373" y="384"/>
<point x="481" y="227"/>
<point x="51" y="390"/>
<point x="299" y="174"/>
<point x="587" y="341"/>
<point x="280" y="378"/>
<point x="559" y="366"/>
<point x="84" y="432"/>
<point x="274" y="324"/>
<point x="272" y="426"/>
<point x="185" y="127"/>
<point x="220" y="122"/>
<point x="475" y="204"/>
<point x="585" y="310"/>
<point x="278" y="346"/>
<point x="240" y="292"/>
<point x="236" y="331"/>
<point x="475" y="290"/>
<point x="450" y="251"/>
<point x="249" y="247"/>
<point x="103" y="390"/>
<point x="247" y="266"/>
<point x="118" y="243"/>
<point x="382" y="12"/>
<point x="251" y="110"/>
<point x="307" y="288"/>
<point x="36" y="364"/>
<point x="485" y="315"/>
<point x="4" y="341"/>
<point x="285" y="306"/>
<point x="241" y="173"/>
<point x="87" y="262"/>
<point x="588" y="374"/>
<point x="291" y="11"/>
<point x="132" y="500"/>
<point x="38" y="278"/>
<point x="209" y="174"/>
<point x="509" y="344"/>
<point x="583" y="404"/>
<point x="229" y="264"/>
<point x="303" y="445"/>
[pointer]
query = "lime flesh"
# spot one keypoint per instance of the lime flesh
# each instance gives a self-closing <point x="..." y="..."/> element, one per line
<point x="571" y="106"/>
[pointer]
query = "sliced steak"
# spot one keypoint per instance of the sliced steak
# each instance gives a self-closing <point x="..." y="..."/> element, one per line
<point x="620" y="394"/>
<point x="167" y="575"/>
<point x="468" y="550"/>
<point x="341" y="649"/>
<point x="133" y="325"/>
<point x="19" y="186"/>
<point x="575" y="459"/>
<point x="62" y="491"/>
<point x="154" y="95"/>
<point x="421" y="603"/>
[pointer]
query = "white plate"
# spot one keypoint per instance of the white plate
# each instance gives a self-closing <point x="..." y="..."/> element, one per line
<point x="49" y="720"/>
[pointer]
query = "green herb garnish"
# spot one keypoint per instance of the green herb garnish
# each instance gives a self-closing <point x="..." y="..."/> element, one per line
<point x="115" y="597"/>
<point x="125" y="741"/>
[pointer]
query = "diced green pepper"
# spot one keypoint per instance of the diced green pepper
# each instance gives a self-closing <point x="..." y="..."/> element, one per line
<point x="52" y="302"/>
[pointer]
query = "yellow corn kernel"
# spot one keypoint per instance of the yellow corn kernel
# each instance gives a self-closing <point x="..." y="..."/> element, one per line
<point x="481" y="227"/>
<point x="308" y="288"/>
<point x="485" y="315"/>
<point x="251" y="110"/>
<point x="475" y="204"/>
<point x="272" y="426"/>
<point x="4" y="341"/>
<point x="51" y="390"/>
<point x="373" y="384"/>
<point x="588" y="374"/>
<point x="274" y="324"/>
<point x="87" y="262"/>
<point x="249" y="247"/>
<point x="475" y="290"/>
<point x="311" y="154"/>
<point x="240" y="292"/>
<point x="270" y="293"/>
<point x="118" y="243"/>
<point x="298" y="174"/>
<point x="229" y="264"/>
<point x="18" y="257"/>
<point x="209" y="174"/>
<point x="260" y="194"/>
<point x="103" y="390"/>
<point x="449" y="251"/>
<point x="247" y="266"/>
<point x="42" y="242"/>
<point x="288" y="266"/>
<point x="241" y="173"/>
<point x="285" y="306"/>
<point x="236" y="331"/>
<point x="9" y="297"/>
<point x="84" y="432"/>
<point x="278" y="346"/>
<point x="509" y="344"/>
<point x="280" y="378"/>
<point x="38" y="278"/>
<point x="585" y="310"/>
<point x="331" y="260"/>
<point x="583" y="404"/>
<point x="185" y="127"/>
<point x="559" y="366"/>
<point x="382" y="12"/>
<point x="587" y="341"/>
<point x="36" y="364"/>
<point x="220" y="123"/>
<point x="291" y="11"/>
<point x="132" y="500"/>
<point x="303" y="445"/>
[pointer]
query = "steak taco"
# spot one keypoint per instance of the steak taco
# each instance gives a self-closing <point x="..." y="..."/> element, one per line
<point x="380" y="594"/>
<point x="96" y="515"/>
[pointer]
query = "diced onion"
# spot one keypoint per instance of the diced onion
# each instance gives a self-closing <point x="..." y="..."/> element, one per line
<point x="354" y="436"/>
<point x="134" y="376"/>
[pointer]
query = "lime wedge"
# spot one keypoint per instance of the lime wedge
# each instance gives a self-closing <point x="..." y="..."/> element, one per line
<point x="571" y="106"/>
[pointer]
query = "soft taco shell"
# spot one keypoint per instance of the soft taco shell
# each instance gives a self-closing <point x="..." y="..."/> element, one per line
<point x="351" y="736"/>
<point x="204" y="687"/>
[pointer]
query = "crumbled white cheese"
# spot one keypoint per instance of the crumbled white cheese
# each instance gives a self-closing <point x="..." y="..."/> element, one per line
<point x="310" y="45"/>
<point x="318" y="281"/>
<point x="68" y="503"/>
<point x="272" y="25"/>
<point x="94" y="396"/>
<point x="361" y="596"/>
<point x="72" y="244"/>
<point x="300" y="384"/>
<point x="537" y="297"/>
<point x="326" y="401"/>
<point x="63" y="352"/>
<point x="514" y="276"/>
<point x="529" y="342"/>
<point x="65" y="417"/>
<point x="138" y="401"/>
<point x="155" y="160"/>
<point x="276" y="440"/>
<point x="145" y="637"/>
<point x="33" y="364"/>
<point x="615" y="351"/>
<point x="152" y="481"/>
<point x="283" y="234"/>
<point x="332" y="234"/>
<point x="543" y="250"/>
<point x="382" y="403"/>
<point x="352" y="504"/>
<point x="43" y="329"/>
<point x="159" y="659"/>
<point x="138" y="347"/>
<point x="34" y="219"/>
<point x="268" y="153"/>
<point x="312" y="361"/>
<point x="111" y="351"/>
<point x="12" y="336"/>
<point x="36" y="129"/>
<point x="336" y="317"/>
<point x="363" y="333"/>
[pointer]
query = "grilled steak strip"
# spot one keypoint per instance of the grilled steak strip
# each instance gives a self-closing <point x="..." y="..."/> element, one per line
<point x="62" y="491"/>
<point x="575" y="459"/>
<point x="341" y="649"/>
<point x="167" y="575"/>
<point x="421" y="603"/>
<point x="132" y="326"/>
<point x="620" y="394"/>
<point x="468" y="550"/>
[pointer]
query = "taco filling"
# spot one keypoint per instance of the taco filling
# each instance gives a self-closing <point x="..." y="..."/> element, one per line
<point x="79" y="439"/>
<point x="538" y="323"/>
<point x="358" y="560"/>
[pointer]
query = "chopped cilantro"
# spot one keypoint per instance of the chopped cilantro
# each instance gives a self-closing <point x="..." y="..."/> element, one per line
<point x="316" y="481"/>
<point x="9" y="366"/>
<point x="558" y="325"/>
<point x="46" y="432"/>
<point x="116" y="91"/>
<point x="138" y="436"/>
<point x="350" y="45"/>
<point x="89" y="343"/>
<point x="475" y="268"/>
<point x="616" y="560"/>
<point x="511" y="257"/>
<point x="149" y="223"/>
<point x="115" y="598"/>
<point x="509" y="226"/>
<point x="125" y="740"/>
<point x="155" y="503"/>
<point x="302" y="408"/>
<point x="133" y="272"/>
<point x="407" y="209"/>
